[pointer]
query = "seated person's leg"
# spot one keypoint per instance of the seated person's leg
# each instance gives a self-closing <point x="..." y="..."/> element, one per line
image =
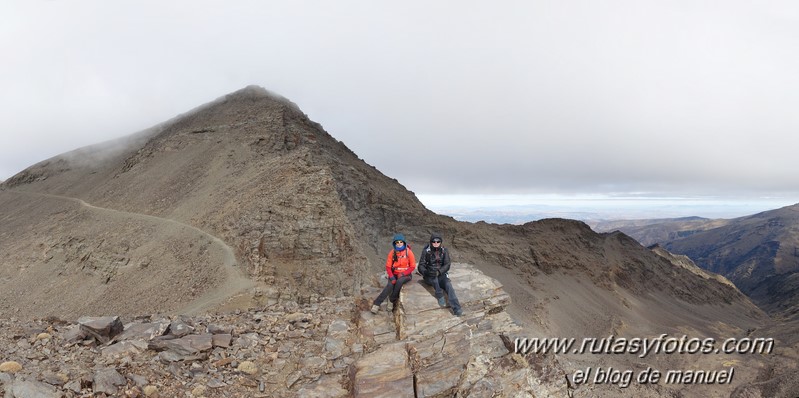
<point x="381" y="297"/>
<point x="398" y="287"/>
<point x="453" y="298"/>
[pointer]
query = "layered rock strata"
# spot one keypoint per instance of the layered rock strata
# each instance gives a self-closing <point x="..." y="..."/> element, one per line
<point x="436" y="354"/>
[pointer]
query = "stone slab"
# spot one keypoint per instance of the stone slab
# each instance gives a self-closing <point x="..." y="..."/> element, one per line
<point x="440" y="360"/>
<point x="384" y="373"/>
<point x="478" y="294"/>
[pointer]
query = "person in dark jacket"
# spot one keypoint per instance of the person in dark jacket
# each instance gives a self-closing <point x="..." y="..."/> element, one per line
<point x="400" y="264"/>
<point x="434" y="263"/>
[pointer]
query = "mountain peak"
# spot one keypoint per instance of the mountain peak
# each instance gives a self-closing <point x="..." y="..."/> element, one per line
<point x="255" y="92"/>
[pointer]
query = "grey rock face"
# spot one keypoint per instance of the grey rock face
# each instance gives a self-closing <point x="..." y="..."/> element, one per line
<point x="30" y="389"/>
<point x="102" y="328"/>
<point x="108" y="381"/>
<point x="143" y="331"/>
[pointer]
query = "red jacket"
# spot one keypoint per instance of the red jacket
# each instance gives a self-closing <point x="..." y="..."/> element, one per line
<point x="404" y="265"/>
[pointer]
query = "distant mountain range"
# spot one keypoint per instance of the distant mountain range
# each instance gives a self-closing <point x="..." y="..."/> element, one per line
<point x="519" y="210"/>
<point x="759" y="253"/>
<point x="650" y="232"/>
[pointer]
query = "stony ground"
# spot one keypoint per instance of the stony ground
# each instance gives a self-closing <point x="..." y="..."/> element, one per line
<point x="325" y="348"/>
<point x="266" y="352"/>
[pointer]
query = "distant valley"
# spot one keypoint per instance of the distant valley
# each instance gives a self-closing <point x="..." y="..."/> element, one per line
<point x="759" y="253"/>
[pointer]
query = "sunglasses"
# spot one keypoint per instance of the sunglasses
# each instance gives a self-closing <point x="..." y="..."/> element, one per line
<point x="437" y="241"/>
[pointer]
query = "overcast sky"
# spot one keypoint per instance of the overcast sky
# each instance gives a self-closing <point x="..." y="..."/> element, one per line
<point x="617" y="98"/>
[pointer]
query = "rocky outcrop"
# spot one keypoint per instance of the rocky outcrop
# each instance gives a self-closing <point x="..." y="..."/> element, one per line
<point x="686" y="263"/>
<point x="287" y="349"/>
<point x="436" y="354"/>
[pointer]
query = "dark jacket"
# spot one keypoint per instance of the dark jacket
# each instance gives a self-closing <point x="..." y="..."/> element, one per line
<point x="434" y="262"/>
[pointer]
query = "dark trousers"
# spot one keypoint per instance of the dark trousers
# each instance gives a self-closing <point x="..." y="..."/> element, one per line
<point x="442" y="284"/>
<point x="392" y="291"/>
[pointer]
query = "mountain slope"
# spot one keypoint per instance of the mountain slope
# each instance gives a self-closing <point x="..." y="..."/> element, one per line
<point x="147" y="224"/>
<point x="759" y="253"/>
<point x="245" y="168"/>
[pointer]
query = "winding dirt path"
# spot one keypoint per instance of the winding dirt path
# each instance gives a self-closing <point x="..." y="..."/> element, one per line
<point x="235" y="280"/>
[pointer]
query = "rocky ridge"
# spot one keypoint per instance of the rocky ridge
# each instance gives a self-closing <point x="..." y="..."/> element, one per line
<point x="331" y="347"/>
<point x="686" y="263"/>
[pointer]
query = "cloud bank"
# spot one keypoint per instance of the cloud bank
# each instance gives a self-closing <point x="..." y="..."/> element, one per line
<point x="682" y="98"/>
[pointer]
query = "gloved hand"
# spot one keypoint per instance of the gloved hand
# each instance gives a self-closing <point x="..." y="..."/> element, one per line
<point x="393" y="280"/>
<point x="409" y="275"/>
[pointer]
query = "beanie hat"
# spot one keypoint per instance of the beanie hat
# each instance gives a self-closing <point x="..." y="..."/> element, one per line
<point x="398" y="237"/>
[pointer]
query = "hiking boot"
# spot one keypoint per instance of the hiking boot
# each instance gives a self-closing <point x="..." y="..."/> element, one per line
<point x="375" y="308"/>
<point x="458" y="312"/>
<point x="442" y="302"/>
<point x="390" y="307"/>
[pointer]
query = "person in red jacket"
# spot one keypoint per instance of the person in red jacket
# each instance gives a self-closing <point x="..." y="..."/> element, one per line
<point x="400" y="264"/>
